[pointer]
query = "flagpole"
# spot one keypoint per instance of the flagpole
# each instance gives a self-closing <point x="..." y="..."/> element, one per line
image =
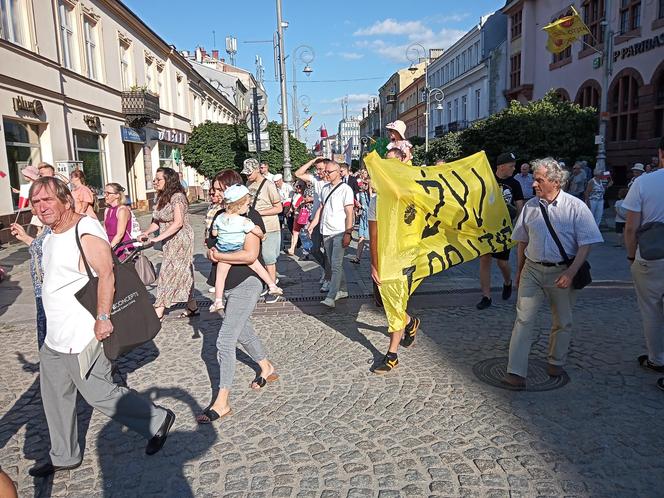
<point x="604" y="101"/>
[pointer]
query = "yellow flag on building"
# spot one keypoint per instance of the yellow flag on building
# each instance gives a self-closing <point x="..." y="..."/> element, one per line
<point x="432" y="218"/>
<point x="565" y="31"/>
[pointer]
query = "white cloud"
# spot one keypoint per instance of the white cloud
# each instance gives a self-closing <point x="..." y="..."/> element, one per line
<point x="353" y="98"/>
<point x="391" y="27"/>
<point x="351" y="56"/>
<point x="427" y="38"/>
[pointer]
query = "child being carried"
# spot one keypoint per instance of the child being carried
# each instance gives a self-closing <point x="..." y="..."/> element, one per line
<point x="230" y="228"/>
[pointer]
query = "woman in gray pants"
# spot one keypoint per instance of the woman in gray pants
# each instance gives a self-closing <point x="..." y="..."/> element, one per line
<point x="243" y="288"/>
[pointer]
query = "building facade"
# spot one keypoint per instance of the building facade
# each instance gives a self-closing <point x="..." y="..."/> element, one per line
<point x="388" y="94"/>
<point x="371" y="120"/>
<point x="86" y="84"/>
<point x="636" y="84"/>
<point x="412" y="108"/>
<point x="349" y="136"/>
<point x="472" y="76"/>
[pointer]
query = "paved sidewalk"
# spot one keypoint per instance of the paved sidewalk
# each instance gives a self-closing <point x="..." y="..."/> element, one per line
<point x="330" y="428"/>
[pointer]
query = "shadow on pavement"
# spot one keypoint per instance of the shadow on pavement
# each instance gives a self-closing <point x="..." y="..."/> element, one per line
<point x="127" y="471"/>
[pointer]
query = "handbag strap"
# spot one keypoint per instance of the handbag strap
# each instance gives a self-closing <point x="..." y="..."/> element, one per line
<point x="253" y="204"/>
<point x="330" y="194"/>
<point x="554" y="235"/>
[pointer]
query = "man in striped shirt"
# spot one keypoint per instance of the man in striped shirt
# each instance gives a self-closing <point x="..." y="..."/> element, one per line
<point x="541" y="270"/>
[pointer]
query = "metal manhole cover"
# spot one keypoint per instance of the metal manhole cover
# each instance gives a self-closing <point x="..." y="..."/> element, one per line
<point x="492" y="371"/>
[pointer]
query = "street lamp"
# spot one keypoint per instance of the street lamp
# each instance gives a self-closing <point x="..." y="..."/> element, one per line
<point x="305" y="102"/>
<point x="413" y="54"/>
<point x="305" y="54"/>
<point x="279" y="51"/>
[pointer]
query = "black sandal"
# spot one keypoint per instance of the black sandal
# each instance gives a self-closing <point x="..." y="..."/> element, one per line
<point x="189" y="313"/>
<point x="210" y="415"/>
<point x="261" y="382"/>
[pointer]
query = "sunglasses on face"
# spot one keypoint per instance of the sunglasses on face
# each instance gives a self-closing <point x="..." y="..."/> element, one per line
<point x="328" y="172"/>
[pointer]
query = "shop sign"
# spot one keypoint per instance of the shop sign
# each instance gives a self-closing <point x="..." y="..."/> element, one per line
<point x="132" y="135"/>
<point x="639" y="48"/>
<point x="173" y="136"/>
<point x="92" y="121"/>
<point x="33" y="106"/>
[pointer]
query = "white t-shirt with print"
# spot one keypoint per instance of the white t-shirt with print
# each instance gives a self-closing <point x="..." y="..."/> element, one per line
<point x="333" y="217"/>
<point x="70" y="325"/>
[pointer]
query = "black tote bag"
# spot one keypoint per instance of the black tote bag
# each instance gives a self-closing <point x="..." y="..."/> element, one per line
<point x="134" y="319"/>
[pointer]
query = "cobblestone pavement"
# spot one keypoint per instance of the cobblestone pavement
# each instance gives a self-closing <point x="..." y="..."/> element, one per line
<point x="329" y="427"/>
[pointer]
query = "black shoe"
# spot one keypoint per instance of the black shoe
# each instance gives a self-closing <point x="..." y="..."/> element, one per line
<point x="646" y="363"/>
<point x="48" y="469"/>
<point x="484" y="303"/>
<point x="409" y="333"/>
<point x="158" y="440"/>
<point x="271" y="298"/>
<point x="507" y="291"/>
<point x="265" y="290"/>
<point x="389" y="362"/>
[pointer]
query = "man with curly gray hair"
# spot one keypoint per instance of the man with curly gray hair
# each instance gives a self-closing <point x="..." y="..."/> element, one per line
<point x="541" y="270"/>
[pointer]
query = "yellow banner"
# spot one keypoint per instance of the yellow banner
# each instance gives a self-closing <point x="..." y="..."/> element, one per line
<point x="564" y="31"/>
<point x="431" y="218"/>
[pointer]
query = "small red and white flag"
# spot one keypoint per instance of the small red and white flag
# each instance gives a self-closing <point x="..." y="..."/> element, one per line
<point x="24" y="196"/>
<point x="3" y="174"/>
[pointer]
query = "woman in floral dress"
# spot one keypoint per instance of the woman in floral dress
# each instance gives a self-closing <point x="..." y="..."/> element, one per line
<point x="171" y="216"/>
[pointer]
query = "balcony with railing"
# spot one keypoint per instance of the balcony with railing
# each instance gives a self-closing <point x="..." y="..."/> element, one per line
<point x="140" y="107"/>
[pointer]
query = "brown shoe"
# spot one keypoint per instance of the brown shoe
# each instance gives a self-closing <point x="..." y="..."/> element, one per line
<point x="514" y="380"/>
<point x="554" y="370"/>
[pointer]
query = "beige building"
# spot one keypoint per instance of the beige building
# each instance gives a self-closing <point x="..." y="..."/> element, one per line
<point x="86" y="84"/>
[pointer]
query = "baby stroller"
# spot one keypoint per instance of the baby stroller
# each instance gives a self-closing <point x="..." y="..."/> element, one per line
<point x="132" y="255"/>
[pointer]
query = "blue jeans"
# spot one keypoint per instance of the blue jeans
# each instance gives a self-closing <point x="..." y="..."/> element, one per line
<point x="41" y="322"/>
<point x="334" y="252"/>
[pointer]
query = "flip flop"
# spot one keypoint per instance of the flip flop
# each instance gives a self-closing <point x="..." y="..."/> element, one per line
<point x="261" y="382"/>
<point x="209" y="415"/>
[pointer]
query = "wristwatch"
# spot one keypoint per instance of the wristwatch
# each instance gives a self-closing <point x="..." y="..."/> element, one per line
<point x="103" y="317"/>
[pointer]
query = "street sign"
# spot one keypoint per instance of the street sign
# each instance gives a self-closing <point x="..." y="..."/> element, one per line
<point x="599" y="139"/>
<point x="264" y="138"/>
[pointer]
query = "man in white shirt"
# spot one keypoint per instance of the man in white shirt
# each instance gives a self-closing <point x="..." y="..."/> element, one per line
<point x="525" y="179"/>
<point x="645" y="251"/>
<point x="318" y="181"/>
<point x="541" y="271"/>
<point x="73" y="331"/>
<point x="335" y="215"/>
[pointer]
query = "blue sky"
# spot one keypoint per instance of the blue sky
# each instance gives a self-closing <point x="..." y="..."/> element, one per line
<point x="362" y="41"/>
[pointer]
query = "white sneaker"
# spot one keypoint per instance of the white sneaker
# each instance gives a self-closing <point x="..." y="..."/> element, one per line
<point x="211" y="290"/>
<point x="329" y="302"/>
<point x="326" y="286"/>
<point x="341" y="295"/>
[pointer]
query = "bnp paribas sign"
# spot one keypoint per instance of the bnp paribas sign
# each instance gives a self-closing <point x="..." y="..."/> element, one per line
<point x="656" y="42"/>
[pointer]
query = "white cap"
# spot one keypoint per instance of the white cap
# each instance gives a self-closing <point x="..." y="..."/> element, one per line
<point x="235" y="192"/>
<point x="277" y="177"/>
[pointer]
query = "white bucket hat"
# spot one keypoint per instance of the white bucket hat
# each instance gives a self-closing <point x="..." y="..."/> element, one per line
<point x="398" y="126"/>
<point x="638" y="167"/>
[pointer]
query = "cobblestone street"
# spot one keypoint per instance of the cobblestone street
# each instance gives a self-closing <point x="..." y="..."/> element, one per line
<point x="329" y="427"/>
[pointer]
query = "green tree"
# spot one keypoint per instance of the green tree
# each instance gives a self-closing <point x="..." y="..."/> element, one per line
<point x="545" y="127"/>
<point x="213" y="147"/>
<point x="447" y="147"/>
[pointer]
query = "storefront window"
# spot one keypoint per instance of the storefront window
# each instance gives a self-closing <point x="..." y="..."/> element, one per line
<point x="22" y="141"/>
<point x="90" y="150"/>
<point x="170" y="156"/>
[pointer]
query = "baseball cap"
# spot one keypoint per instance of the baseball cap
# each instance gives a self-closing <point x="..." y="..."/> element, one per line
<point x="505" y="158"/>
<point x="249" y="166"/>
<point x="235" y="192"/>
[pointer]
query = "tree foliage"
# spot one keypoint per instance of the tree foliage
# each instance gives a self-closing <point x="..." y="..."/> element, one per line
<point x="546" y="127"/>
<point x="213" y="147"/>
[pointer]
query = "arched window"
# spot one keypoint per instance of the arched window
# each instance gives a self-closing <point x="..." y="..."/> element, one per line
<point x="659" y="104"/>
<point x="562" y="93"/>
<point x="588" y="94"/>
<point x="624" y="108"/>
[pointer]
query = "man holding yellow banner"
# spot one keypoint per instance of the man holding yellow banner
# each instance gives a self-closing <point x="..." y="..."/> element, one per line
<point x="432" y="218"/>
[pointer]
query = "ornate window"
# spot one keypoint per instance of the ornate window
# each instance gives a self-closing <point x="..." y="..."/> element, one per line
<point x="516" y="24"/>
<point x="593" y="15"/>
<point x="515" y="70"/>
<point x="589" y="95"/>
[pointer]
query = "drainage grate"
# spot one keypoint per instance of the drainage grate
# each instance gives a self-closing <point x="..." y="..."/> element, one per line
<point x="492" y="370"/>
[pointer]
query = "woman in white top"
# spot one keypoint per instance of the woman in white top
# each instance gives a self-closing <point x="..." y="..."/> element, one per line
<point x="594" y="196"/>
